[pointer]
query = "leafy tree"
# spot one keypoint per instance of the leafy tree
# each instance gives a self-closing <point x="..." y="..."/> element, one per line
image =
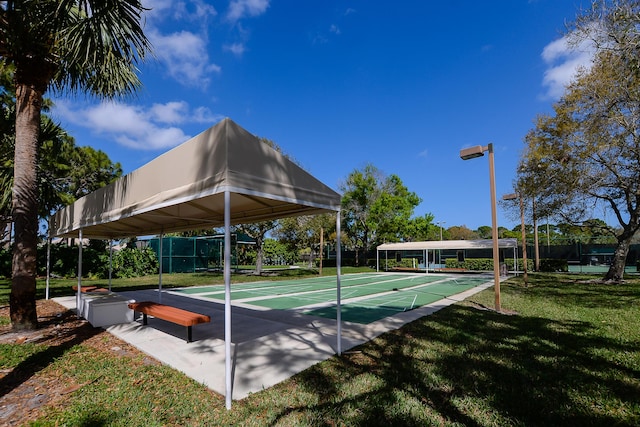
<point x="258" y="231"/>
<point x="73" y="46"/>
<point x="461" y="232"/>
<point x="587" y="154"/>
<point x="484" y="232"/>
<point x="590" y="231"/>
<point x="360" y="192"/>
<point x="393" y="210"/>
<point x="275" y="250"/>
<point x="375" y="208"/>
<point x="421" y="228"/>
<point x="303" y="232"/>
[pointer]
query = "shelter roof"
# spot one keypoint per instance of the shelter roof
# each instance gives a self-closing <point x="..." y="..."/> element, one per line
<point x="448" y="244"/>
<point x="184" y="189"/>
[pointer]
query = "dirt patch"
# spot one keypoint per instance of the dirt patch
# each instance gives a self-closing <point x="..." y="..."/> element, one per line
<point x="26" y="389"/>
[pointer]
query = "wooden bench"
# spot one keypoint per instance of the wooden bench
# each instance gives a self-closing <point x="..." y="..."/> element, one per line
<point x="452" y="270"/>
<point x="85" y="289"/>
<point x="170" y="314"/>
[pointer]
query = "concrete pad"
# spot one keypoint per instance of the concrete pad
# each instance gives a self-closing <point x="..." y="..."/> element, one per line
<point x="268" y="346"/>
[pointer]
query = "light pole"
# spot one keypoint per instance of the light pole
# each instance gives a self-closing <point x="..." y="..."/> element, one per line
<point x="536" y="246"/>
<point x="471" y="153"/>
<point x="440" y="223"/>
<point x="514" y="196"/>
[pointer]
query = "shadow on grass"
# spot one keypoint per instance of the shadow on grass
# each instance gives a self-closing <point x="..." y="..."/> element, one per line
<point x="66" y="339"/>
<point x="580" y="291"/>
<point x="476" y="367"/>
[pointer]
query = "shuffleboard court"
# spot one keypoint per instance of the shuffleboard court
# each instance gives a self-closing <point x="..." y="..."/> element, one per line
<point x="365" y="297"/>
<point x="380" y="306"/>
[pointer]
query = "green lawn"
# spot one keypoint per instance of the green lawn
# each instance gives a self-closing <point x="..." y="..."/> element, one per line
<point x="569" y="357"/>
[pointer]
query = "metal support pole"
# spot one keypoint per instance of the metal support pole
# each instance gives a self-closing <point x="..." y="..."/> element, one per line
<point x="79" y="293"/>
<point x="494" y="228"/>
<point x="110" y="262"/>
<point x="160" y="269"/>
<point x="46" y="296"/>
<point x="338" y="291"/>
<point x="227" y="300"/>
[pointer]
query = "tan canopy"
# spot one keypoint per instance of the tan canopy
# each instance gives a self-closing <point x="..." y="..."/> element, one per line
<point x="223" y="176"/>
<point x="184" y="188"/>
<point x="448" y="244"/>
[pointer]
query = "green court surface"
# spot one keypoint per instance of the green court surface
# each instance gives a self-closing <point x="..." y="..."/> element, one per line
<point x="365" y="297"/>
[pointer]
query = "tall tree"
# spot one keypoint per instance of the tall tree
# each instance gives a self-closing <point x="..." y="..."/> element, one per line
<point x="421" y="228"/>
<point x="461" y="232"/>
<point x="73" y="46"/>
<point x="588" y="153"/>
<point x="484" y="232"/>
<point x="258" y="231"/>
<point x="359" y="193"/>
<point x="376" y="208"/>
<point x="303" y="232"/>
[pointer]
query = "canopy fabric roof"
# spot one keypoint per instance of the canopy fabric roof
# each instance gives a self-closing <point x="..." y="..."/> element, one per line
<point x="184" y="188"/>
<point x="448" y="244"/>
<point x="223" y="176"/>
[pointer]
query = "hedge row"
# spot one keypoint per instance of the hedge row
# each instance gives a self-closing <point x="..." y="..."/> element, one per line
<point x="126" y="262"/>
<point x="486" y="264"/>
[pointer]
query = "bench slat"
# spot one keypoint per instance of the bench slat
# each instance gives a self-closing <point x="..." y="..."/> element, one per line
<point x="170" y="314"/>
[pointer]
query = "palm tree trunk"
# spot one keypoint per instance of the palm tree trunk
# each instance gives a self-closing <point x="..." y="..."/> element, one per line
<point x="22" y="300"/>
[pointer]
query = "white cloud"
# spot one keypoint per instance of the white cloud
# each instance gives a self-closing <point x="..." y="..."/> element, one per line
<point x="204" y="115"/>
<point x="192" y="10"/>
<point x="183" y="54"/>
<point x="185" y="57"/>
<point x="171" y="112"/>
<point x="235" y="48"/>
<point x="239" y="9"/>
<point x="563" y="63"/>
<point x="137" y="127"/>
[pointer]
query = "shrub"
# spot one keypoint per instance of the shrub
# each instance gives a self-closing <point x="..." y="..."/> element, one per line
<point x="393" y="263"/>
<point x="509" y="263"/>
<point x="553" y="265"/>
<point x="130" y="262"/>
<point x="474" y="264"/>
<point x="64" y="261"/>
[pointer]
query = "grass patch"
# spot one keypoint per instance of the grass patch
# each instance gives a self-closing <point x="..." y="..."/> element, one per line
<point x="570" y="356"/>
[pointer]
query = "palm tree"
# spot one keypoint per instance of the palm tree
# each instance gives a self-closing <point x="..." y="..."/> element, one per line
<point x="68" y="46"/>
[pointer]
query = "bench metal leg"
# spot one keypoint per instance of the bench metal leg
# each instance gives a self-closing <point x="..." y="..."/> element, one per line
<point x="189" y="330"/>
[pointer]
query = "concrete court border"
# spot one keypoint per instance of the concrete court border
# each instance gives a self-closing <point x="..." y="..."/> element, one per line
<point x="268" y="346"/>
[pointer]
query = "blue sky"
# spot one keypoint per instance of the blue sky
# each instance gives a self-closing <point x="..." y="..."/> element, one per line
<point x="341" y="83"/>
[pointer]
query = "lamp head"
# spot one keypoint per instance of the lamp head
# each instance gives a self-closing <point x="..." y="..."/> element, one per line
<point x="472" y="152"/>
<point x="511" y="196"/>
